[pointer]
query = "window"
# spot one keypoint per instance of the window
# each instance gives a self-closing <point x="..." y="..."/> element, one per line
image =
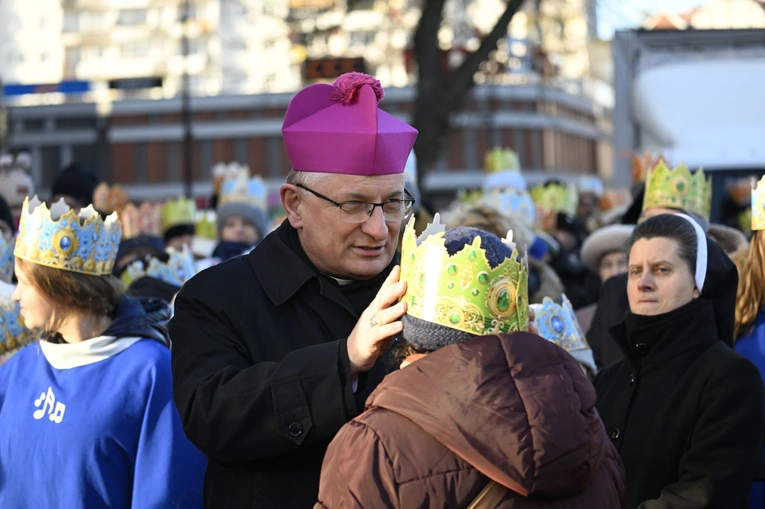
<point x="71" y="22"/>
<point x="92" y="21"/>
<point x="134" y="49"/>
<point x="131" y="17"/>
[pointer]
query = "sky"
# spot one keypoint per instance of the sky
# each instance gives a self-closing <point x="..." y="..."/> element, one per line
<point x="624" y="14"/>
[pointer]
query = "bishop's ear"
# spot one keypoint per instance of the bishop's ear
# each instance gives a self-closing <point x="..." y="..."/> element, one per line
<point x="290" y="196"/>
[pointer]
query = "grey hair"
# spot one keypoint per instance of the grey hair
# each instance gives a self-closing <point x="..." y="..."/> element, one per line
<point x="306" y="178"/>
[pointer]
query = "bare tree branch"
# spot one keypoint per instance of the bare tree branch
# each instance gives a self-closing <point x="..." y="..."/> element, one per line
<point x="463" y="76"/>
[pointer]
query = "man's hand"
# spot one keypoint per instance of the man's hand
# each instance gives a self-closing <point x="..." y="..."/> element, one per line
<point x="533" y="326"/>
<point x="377" y="325"/>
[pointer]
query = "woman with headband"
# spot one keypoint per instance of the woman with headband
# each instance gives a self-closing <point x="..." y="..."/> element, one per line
<point x="685" y="411"/>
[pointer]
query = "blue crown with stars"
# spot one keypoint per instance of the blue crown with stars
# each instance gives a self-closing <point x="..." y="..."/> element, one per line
<point x="178" y="269"/>
<point x="6" y="259"/>
<point x="244" y="190"/>
<point x="13" y="334"/>
<point x="61" y="239"/>
<point x="516" y="202"/>
<point x="557" y="323"/>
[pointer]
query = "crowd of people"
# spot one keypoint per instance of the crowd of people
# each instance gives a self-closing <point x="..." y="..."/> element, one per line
<point x="551" y="345"/>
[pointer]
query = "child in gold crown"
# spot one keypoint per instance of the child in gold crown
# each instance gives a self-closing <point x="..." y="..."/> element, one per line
<point x="462" y="420"/>
<point x="87" y="413"/>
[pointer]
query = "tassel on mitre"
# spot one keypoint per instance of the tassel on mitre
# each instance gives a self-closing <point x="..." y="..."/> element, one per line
<point x="347" y="87"/>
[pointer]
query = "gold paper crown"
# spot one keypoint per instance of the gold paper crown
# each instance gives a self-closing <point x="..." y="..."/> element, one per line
<point x="251" y="191"/>
<point x="462" y="291"/>
<point x="502" y="160"/>
<point x="178" y="212"/>
<point x="140" y="221"/>
<point x="556" y="198"/>
<point x="108" y="199"/>
<point x="206" y="224"/>
<point x="758" y="206"/>
<point x="61" y="239"/>
<point x="678" y="189"/>
<point x="13" y="334"/>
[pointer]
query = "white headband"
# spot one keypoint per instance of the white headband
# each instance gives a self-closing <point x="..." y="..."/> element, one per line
<point x="701" y="252"/>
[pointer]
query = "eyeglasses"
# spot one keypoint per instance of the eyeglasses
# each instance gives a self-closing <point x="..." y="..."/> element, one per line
<point x="356" y="212"/>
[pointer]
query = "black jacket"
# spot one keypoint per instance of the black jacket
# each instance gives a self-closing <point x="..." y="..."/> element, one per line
<point x="685" y="411"/>
<point x="612" y="305"/>
<point x="261" y="371"/>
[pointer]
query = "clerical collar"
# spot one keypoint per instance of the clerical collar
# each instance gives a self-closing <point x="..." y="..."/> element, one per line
<point x="343" y="282"/>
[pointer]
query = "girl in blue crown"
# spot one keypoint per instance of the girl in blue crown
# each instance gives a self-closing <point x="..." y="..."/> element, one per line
<point x="87" y="413"/>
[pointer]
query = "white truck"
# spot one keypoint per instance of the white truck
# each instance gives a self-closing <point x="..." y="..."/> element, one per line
<point x="698" y="96"/>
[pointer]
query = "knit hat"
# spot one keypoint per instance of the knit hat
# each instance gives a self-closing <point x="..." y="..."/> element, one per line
<point x="250" y="213"/>
<point x="426" y="336"/>
<point x="15" y="185"/>
<point x="75" y="181"/>
<point x="339" y="129"/>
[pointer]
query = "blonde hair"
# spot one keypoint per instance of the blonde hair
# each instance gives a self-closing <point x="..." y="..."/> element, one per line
<point x="750" y="296"/>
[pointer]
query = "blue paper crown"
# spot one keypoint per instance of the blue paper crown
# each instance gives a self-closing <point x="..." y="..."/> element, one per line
<point x="6" y="259"/>
<point x="516" y="202"/>
<point x="178" y="269"/>
<point x="557" y="323"/>
<point x="13" y="334"/>
<point x="60" y="239"/>
<point x="242" y="190"/>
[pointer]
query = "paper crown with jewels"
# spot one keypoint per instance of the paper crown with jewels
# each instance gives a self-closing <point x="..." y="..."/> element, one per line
<point x="140" y="221"/>
<point x="556" y="198"/>
<point x="6" y="259"/>
<point x="678" y="189"/>
<point x="503" y="171"/>
<point x="557" y="323"/>
<point x="463" y="291"/>
<point x="61" y="239"/>
<point x="178" y="268"/>
<point x="642" y="163"/>
<point x="499" y="160"/>
<point x="177" y="212"/>
<point x="222" y="172"/>
<point x="758" y="206"/>
<point x="245" y="190"/>
<point x="13" y="333"/>
<point x="516" y="202"/>
<point x="205" y="224"/>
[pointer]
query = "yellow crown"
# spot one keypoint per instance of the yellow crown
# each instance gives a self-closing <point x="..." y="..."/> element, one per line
<point x="206" y="224"/>
<point x="61" y="239"/>
<point x="758" y="206"/>
<point x="502" y="160"/>
<point x="556" y="198"/>
<point x="178" y="212"/>
<point x="143" y="220"/>
<point x="463" y="291"/>
<point x="678" y="189"/>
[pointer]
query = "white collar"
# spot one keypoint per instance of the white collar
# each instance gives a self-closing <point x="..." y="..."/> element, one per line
<point x="342" y="282"/>
<point x="74" y="355"/>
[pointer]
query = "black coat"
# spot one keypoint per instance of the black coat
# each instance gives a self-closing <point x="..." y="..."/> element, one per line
<point x="261" y="371"/>
<point x="685" y="411"/>
<point x="612" y="305"/>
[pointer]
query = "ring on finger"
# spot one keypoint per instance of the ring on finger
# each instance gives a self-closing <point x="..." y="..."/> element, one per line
<point x="373" y="321"/>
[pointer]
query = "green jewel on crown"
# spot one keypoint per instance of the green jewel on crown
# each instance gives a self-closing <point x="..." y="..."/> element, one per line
<point x="462" y="291"/>
<point x="678" y="189"/>
<point x="61" y="239"/>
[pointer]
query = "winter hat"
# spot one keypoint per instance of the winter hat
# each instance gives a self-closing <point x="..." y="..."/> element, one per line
<point x="339" y="129"/>
<point x="427" y="336"/>
<point x="15" y="185"/>
<point x="75" y="181"/>
<point x="246" y="198"/>
<point x="603" y="241"/>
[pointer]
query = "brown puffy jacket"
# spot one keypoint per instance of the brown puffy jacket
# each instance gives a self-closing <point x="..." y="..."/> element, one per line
<point x="513" y="408"/>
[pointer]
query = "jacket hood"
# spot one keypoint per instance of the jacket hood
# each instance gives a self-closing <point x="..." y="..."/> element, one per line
<point x="144" y="317"/>
<point x="516" y="407"/>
